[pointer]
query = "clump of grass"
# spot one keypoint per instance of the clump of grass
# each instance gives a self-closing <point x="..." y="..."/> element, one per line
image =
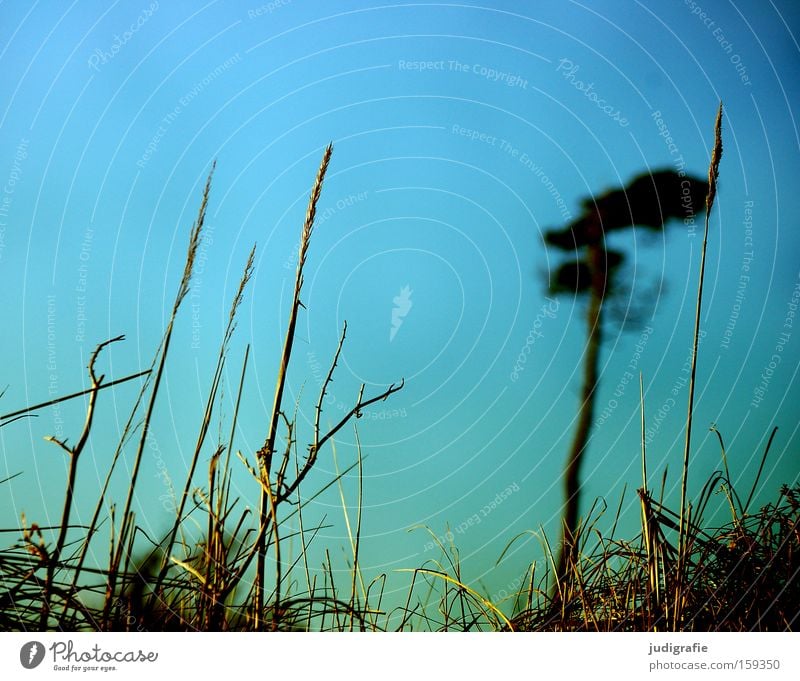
<point x="184" y="582"/>
<point x="740" y="576"/>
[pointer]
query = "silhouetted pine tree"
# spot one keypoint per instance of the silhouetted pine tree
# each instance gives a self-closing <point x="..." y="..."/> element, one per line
<point x="649" y="202"/>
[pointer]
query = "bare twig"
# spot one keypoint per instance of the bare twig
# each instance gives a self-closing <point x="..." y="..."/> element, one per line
<point x="74" y="455"/>
<point x="49" y="403"/>
<point x="284" y="494"/>
<point x="328" y="379"/>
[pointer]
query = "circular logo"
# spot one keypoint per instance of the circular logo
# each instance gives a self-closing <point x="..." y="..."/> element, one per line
<point x="31" y="654"/>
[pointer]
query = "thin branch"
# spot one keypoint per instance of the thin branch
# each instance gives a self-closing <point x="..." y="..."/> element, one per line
<point x="328" y="379"/>
<point x="74" y="455"/>
<point x="49" y="403"/>
<point x="283" y="495"/>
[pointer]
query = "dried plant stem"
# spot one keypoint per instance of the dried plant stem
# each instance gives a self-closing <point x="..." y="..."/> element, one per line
<point x="212" y="396"/>
<point x="183" y="289"/>
<point x="74" y="454"/>
<point x="644" y="438"/>
<point x="713" y="173"/>
<point x="354" y="539"/>
<point x="361" y="403"/>
<point x="235" y="418"/>
<point x="265" y="454"/>
<point x="357" y="543"/>
<point x="760" y="470"/>
<point x="49" y="403"/>
<point x="93" y="524"/>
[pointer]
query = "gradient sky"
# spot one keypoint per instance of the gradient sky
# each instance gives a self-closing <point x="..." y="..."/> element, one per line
<point x="443" y="180"/>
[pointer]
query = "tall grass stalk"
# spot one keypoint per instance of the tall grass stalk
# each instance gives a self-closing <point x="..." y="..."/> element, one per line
<point x="713" y="174"/>
<point x="126" y="521"/>
<point x="265" y="454"/>
<point x="206" y="422"/>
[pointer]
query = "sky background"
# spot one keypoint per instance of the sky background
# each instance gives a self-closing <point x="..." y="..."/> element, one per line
<point x="443" y="180"/>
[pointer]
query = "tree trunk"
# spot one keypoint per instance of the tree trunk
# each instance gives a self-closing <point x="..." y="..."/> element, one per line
<point x="568" y="548"/>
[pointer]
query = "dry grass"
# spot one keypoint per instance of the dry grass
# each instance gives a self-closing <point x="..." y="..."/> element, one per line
<point x="679" y="572"/>
<point x="180" y="582"/>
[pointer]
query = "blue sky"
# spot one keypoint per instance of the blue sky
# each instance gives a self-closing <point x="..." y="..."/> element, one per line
<point x="461" y="132"/>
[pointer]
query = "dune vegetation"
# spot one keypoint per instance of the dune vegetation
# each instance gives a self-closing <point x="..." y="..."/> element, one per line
<point x="683" y="571"/>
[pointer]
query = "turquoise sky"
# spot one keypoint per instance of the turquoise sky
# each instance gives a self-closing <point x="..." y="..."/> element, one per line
<point x="461" y="132"/>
